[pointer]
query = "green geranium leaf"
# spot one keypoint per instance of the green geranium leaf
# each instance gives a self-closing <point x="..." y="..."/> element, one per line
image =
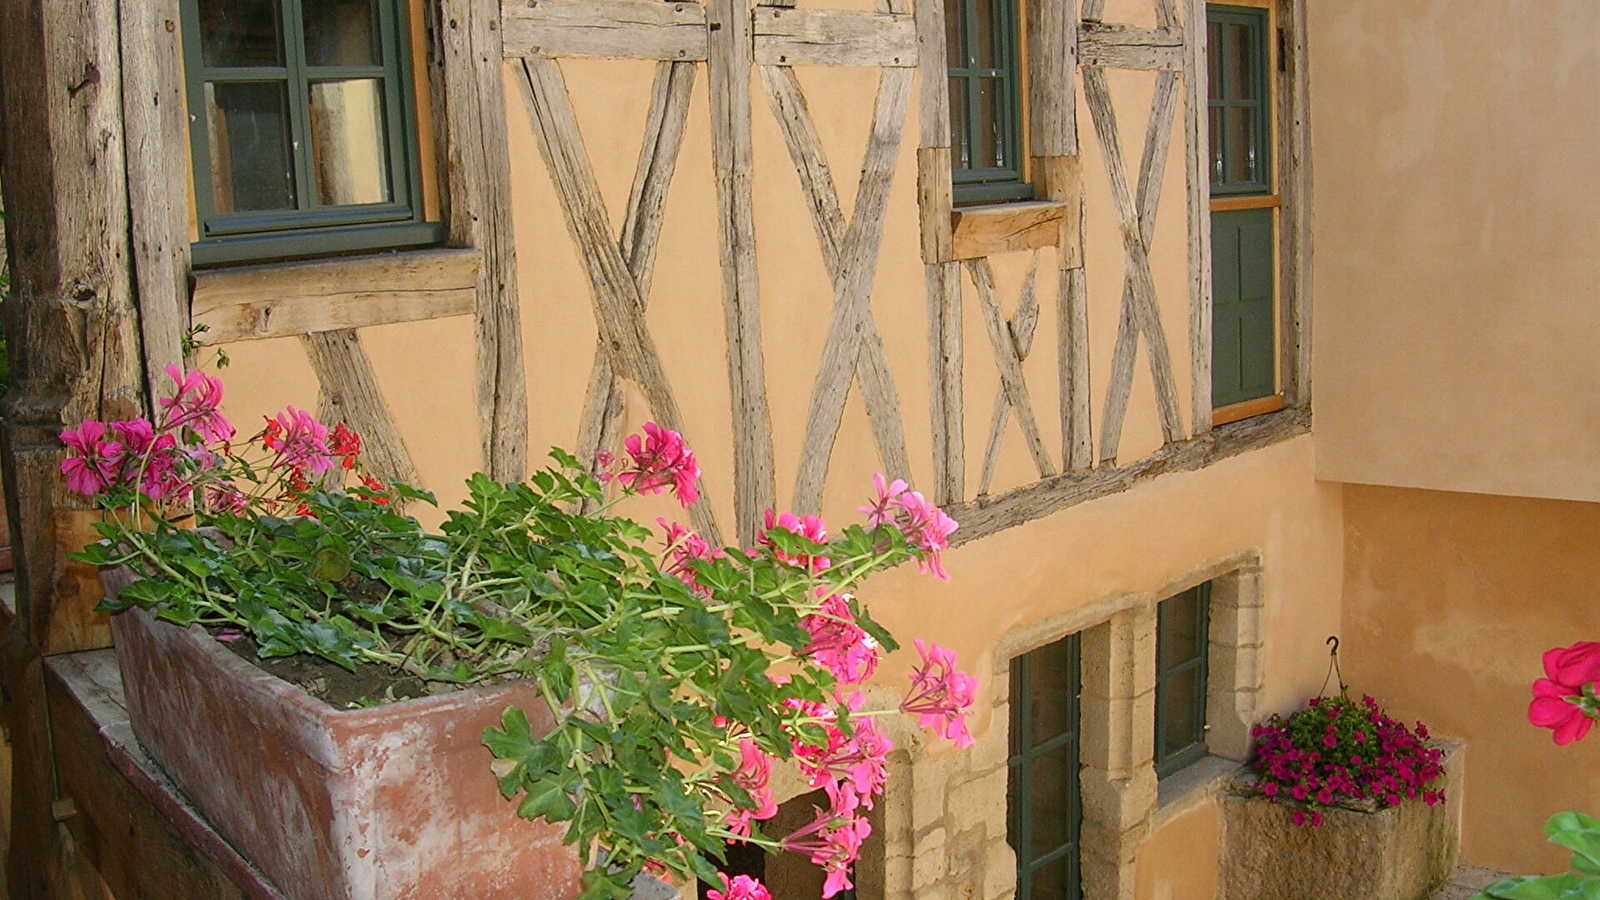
<point x="1529" y="887"/>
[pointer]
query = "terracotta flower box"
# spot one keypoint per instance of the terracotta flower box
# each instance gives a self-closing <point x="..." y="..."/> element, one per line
<point x="1394" y="853"/>
<point x="394" y="802"/>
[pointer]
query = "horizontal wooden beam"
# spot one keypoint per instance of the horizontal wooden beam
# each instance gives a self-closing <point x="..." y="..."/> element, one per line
<point x="979" y="231"/>
<point x="287" y="299"/>
<point x="988" y="515"/>
<point x="824" y="37"/>
<point x="1252" y="201"/>
<point x="1116" y="46"/>
<point x="630" y="29"/>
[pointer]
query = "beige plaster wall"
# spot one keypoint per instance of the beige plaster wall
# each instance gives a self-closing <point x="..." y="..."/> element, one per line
<point x="1450" y="599"/>
<point x="1179" y="860"/>
<point x="1455" y="262"/>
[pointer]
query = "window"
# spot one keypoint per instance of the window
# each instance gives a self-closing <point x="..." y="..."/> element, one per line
<point x="1243" y="214"/>
<point x="1183" y="624"/>
<point x="981" y="39"/>
<point x="1240" y="130"/>
<point x="1044" y="810"/>
<point x="303" y="127"/>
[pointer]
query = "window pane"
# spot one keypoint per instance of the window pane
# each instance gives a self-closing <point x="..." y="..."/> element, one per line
<point x="1180" y="724"/>
<point x="1055" y="782"/>
<point x="348" y="143"/>
<point x="239" y="33"/>
<point x="1214" y="59"/>
<point x="1240" y="67"/>
<point x="990" y="152"/>
<point x="341" y="33"/>
<point x="986" y="40"/>
<point x="1053" y="702"/>
<point x="961" y="153"/>
<point x="954" y="25"/>
<point x="1055" y="881"/>
<point x="1242" y="132"/>
<point x="1179" y="639"/>
<point x="251" y="167"/>
<point x="1214" y="133"/>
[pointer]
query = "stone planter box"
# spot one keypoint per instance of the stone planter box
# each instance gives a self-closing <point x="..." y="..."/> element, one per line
<point x="1398" y="853"/>
<point x="387" y="803"/>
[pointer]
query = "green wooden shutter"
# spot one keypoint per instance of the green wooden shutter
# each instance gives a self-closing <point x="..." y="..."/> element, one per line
<point x="1243" y="341"/>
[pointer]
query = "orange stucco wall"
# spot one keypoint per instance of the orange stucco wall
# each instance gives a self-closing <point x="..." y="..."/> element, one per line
<point x="1179" y="861"/>
<point x="1450" y="599"/>
<point x="1455" y="263"/>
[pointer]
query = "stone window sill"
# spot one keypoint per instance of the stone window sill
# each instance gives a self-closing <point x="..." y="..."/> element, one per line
<point x="1192" y="786"/>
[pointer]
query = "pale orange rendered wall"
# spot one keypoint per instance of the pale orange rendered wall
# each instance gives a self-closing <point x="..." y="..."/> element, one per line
<point x="1180" y="861"/>
<point x="1450" y="600"/>
<point x="1455" y="255"/>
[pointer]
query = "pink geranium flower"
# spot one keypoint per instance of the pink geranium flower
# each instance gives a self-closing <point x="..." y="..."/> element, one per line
<point x="940" y="695"/>
<point x="838" y="644"/>
<point x="740" y="887"/>
<point x="834" y="843"/>
<point x="301" y="442"/>
<point x="927" y="527"/>
<point x="808" y="527"/>
<point x="196" y="406"/>
<point x="881" y="510"/>
<point x="93" y="462"/>
<point x="661" y="460"/>
<point x="683" y="548"/>
<point x="1559" y="702"/>
<point x="755" y="769"/>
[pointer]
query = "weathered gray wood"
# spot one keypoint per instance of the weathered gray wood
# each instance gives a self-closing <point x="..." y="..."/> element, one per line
<point x="1052" y="57"/>
<point x="72" y="330"/>
<point x="933" y="109"/>
<point x="618" y="307"/>
<point x="158" y="180"/>
<point x="986" y="516"/>
<point x="1167" y="14"/>
<point x="634" y="29"/>
<point x="1294" y="221"/>
<point x="978" y="231"/>
<point x="1117" y="46"/>
<point x="350" y="394"/>
<point x="1093" y="9"/>
<point x="1140" y="309"/>
<point x="816" y="181"/>
<point x="1198" y="181"/>
<point x="1072" y="360"/>
<point x="944" y="378"/>
<point x="728" y="73"/>
<point x="858" y="261"/>
<point x="827" y="37"/>
<point x="641" y="231"/>
<point x="1006" y="357"/>
<point x="477" y="168"/>
<point x="286" y="299"/>
<point x="935" y="202"/>
<point x="1021" y="329"/>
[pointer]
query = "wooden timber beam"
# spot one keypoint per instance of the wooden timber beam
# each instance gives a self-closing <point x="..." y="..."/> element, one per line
<point x="73" y="331"/>
<point x="605" y="28"/>
<point x="988" y="515"/>
<point x="1117" y="46"/>
<point x="825" y="37"/>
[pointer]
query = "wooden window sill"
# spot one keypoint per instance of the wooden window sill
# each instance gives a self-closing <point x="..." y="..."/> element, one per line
<point x="1247" y="410"/>
<point x="1000" y="227"/>
<point x="287" y="299"/>
<point x="1252" y="201"/>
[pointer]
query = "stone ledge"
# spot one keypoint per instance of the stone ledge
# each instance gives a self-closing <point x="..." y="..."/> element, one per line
<point x="1192" y="786"/>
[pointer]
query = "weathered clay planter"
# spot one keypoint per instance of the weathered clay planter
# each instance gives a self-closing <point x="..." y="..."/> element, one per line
<point x="388" y="803"/>
<point x="1399" y="853"/>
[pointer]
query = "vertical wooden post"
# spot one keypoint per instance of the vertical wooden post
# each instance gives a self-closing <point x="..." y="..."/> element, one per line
<point x="477" y="167"/>
<point x="1294" y="219"/>
<point x="728" y="69"/>
<point x="1195" y="104"/>
<point x="74" y="337"/>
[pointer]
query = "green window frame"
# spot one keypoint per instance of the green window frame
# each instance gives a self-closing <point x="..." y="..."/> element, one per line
<point x="1044" y="805"/>
<point x="983" y="44"/>
<point x="304" y="226"/>
<point x="1183" y="626"/>
<point x="1240" y="125"/>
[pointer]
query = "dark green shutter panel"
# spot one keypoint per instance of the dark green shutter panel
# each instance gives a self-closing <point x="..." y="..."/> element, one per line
<point x="1044" y="806"/>
<point x="1242" y="348"/>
